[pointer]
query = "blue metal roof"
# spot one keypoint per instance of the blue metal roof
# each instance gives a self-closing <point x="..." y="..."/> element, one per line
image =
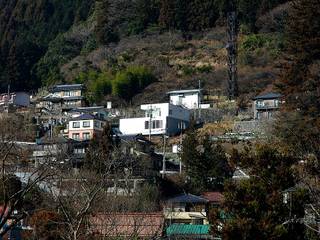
<point x="268" y="96"/>
<point x="187" y="198"/>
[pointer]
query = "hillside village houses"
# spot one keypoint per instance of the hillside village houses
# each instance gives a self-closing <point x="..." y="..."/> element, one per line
<point x="65" y="107"/>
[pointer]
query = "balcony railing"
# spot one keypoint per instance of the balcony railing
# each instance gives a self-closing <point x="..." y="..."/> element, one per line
<point x="266" y="107"/>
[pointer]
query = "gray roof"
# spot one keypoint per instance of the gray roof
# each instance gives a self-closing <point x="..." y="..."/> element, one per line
<point x="187" y="198"/>
<point x="87" y="109"/>
<point x="185" y="91"/>
<point x="268" y="96"/>
<point x="67" y="87"/>
<point x="85" y="117"/>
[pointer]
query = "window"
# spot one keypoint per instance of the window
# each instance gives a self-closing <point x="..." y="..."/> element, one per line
<point x="86" y="124"/>
<point x="76" y="124"/>
<point x="260" y="103"/>
<point x="66" y="94"/>
<point x="154" y="124"/>
<point x="146" y="125"/>
<point x="79" y="150"/>
<point x="75" y="136"/>
<point x="86" y="135"/>
<point x="157" y="124"/>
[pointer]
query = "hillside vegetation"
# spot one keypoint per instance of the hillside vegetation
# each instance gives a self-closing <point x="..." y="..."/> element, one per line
<point x="102" y="43"/>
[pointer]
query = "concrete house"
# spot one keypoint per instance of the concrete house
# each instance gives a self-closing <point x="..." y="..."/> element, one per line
<point x="190" y="99"/>
<point x="20" y="99"/>
<point x="159" y="119"/>
<point x="84" y="127"/>
<point x="265" y="106"/>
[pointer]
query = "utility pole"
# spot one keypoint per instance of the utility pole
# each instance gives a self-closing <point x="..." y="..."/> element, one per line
<point x="232" y="48"/>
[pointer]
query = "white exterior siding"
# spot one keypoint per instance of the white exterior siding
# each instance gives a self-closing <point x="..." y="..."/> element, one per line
<point x="188" y="98"/>
<point x="165" y="118"/>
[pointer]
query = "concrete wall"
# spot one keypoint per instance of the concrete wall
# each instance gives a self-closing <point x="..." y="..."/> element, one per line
<point x="189" y="100"/>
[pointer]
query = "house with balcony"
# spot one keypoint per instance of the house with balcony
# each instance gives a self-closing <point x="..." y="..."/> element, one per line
<point x="158" y="119"/>
<point x="84" y="127"/>
<point x="265" y="106"/>
<point x="186" y="209"/>
<point x="62" y="98"/>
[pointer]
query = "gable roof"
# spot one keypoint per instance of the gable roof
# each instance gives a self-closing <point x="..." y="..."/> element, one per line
<point x="187" y="198"/>
<point x="268" y="96"/>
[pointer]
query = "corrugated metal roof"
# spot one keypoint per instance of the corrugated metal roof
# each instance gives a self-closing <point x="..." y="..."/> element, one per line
<point x="186" y="229"/>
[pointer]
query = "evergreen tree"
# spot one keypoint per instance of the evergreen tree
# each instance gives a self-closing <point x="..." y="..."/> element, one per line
<point x="206" y="163"/>
<point x="255" y="207"/>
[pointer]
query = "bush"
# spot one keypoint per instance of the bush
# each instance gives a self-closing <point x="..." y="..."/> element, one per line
<point x="125" y="83"/>
<point x="131" y="81"/>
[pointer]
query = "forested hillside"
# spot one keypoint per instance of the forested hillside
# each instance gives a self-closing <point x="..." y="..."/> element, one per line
<point x="163" y="44"/>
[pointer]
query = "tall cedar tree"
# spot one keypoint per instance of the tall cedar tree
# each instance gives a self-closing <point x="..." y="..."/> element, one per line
<point x="206" y="163"/>
<point x="300" y="82"/>
<point x="255" y="207"/>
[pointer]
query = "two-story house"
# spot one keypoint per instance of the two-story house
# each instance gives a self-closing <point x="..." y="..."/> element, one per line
<point x="266" y="105"/>
<point x="63" y="97"/>
<point x="84" y="127"/>
<point x="159" y="119"/>
<point x="190" y="99"/>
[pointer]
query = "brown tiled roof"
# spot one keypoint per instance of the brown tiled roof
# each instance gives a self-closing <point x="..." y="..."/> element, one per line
<point x="214" y="197"/>
<point x="127" y="224"/>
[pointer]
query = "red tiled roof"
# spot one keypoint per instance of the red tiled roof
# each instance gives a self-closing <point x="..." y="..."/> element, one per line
<point x="215" y="197"/>
<point x="127" y="224"/>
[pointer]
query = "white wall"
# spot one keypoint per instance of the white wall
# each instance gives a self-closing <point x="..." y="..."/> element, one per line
<point x="189" y="100"/>
<point x="134" y="126"/>
<point x="161" y="112"/>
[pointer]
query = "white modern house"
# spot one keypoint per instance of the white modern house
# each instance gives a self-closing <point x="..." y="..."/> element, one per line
<point x="188" y="98"/>
<point x="160" y="118"/>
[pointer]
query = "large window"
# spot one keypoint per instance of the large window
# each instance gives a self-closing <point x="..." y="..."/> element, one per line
<point x="75" y="136"/>
<point x="76" y="124"/>
<point x="156" y="124"/>
<point x="86" y="136"/>
<point x="86" y="124"/>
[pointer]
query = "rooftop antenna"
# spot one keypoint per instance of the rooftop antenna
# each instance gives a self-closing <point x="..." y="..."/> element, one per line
<point x="232" y="48"/>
